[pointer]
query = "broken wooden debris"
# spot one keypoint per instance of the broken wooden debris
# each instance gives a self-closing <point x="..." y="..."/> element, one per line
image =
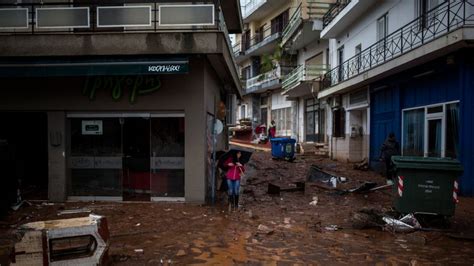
<point x="74" y="211"/>
<point x="363" y="165"/>
<point x="275" y="189"/>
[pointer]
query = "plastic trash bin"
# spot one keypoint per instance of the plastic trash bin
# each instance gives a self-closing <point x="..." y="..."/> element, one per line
<point x="283" y="148"/>
<point x="426" y="185"/>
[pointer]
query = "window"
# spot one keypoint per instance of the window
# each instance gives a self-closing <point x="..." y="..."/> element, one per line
<point x="243" y="111"/>
<point x="340" y="54"/>
<point x="246" y="72"/>
<point x="422" y="7"/>
<point x="358" y="51"/>
<point x="382" y="32"/>
<point x="339" y="123"/>
<point x="280" y="22"/>
<point x="431" y="131"/>
<point x="282" y="118"/>
<point x="70" y="248"/>
<point x="358" y="97"/>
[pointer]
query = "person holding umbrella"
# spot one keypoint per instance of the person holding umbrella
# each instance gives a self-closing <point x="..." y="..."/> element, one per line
<point x="234" y="174"/>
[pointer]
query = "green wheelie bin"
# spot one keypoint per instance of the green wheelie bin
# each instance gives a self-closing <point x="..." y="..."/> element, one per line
<point x="426" y="185"/>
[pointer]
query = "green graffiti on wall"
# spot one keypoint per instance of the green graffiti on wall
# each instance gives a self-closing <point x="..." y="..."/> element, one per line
<point x="117" y="86"/>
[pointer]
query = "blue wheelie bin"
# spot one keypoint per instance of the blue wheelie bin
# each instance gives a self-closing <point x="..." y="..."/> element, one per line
<point x="283" y="148"/>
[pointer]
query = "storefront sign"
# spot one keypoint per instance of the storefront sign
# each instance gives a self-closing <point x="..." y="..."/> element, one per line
<point x="118" y="86"/>
<point x="167" y="163"/>
<point x="92" y="127"/>
<point x="89" y="162"/>
<point x="68" y="68"/>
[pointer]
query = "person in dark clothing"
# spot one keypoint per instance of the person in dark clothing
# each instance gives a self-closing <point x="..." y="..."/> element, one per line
<point x="272" y="130"/>
<point x="389" y="148"/>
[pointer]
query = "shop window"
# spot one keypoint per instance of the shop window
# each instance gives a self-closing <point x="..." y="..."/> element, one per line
<point x="339" y="123"/>
<point x="167" y="156"/>
<point x="282" y="118"/>
<point x="358" y="97"/>
<point x="69" y="248"/>
<point x="96" y="157"/>
<point x="431" y="131"/>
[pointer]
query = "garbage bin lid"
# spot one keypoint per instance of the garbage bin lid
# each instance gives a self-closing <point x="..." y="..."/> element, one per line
<point x="418" y="162"/>
<point x="286" y="140"/>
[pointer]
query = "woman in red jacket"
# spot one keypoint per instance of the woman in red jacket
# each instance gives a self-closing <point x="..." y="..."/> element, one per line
<point x="234" y="173"/>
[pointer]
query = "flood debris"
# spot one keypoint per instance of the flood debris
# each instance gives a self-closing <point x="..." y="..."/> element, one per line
<point x="265" y="229"/>
<point x="406" y="224"/>
<point x="314" y="202"/>
<point x="315" y="173"/>
<point x="74" y="211"/>
<point x="275" y="189"/>
<point x="367" y="218"/>
<point x="331" y="227"/>
<point x="363" y="165"/>
<point x="77" y="241"/>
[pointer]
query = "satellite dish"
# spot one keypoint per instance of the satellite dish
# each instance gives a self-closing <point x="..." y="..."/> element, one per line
<point x="218" y="127"/>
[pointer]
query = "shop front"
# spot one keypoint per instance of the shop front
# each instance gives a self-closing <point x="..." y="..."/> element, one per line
<point x="135" y="137"/>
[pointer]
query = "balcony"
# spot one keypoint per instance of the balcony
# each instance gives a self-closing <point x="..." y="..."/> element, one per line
<point x="301" y="80"/>
<point x="260" y="44"/>
<point x="62" y="18"/>
<point x="259" y="9"/>
<point x="342" y="15"/>
<point x="406" y="47"/>
<point x="305" y="24"/>
<point x="265" y="81"/>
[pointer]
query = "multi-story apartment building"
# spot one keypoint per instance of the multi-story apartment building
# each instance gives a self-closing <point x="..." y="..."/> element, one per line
<point x="405" y="67"/>
<point x="301" y="39"/>
<point x="115" y="100"/>
<point x="279" y="54"/>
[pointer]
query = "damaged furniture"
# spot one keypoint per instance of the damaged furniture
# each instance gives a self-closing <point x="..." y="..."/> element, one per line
<point x="77" y="241"/>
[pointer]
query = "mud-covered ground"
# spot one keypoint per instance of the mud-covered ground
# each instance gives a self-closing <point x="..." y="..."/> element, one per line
<point x="283" y="229"/>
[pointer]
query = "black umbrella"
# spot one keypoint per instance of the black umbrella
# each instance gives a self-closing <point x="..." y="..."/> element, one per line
<point x="244" y="158"/>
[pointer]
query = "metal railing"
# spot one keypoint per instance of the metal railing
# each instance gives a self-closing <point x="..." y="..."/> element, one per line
<point x="334" y="10"/>
<point x="268" y="35"/>
<point x="265" y="80"/>
<point x="251" y="6"/>
<point x="303" y="73"/>
<point x="93" y="26"/>
<point x="435" y="23"/>
<point x="314" y="10"/>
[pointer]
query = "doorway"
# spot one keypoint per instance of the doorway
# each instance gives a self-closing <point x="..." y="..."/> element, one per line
<point x="126" y="156"/>
<point x="136" y="160"/>
<point x="24" y="155"/>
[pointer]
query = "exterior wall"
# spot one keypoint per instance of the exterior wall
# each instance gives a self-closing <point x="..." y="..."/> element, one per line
<point x="178" y="93"/>
<point x="364" y="30"/>
<point x="57" y="157"/>
<point x="445" y="84"/>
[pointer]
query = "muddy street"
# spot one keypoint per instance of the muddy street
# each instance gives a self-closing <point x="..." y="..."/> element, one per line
<point x="268" y="229"/>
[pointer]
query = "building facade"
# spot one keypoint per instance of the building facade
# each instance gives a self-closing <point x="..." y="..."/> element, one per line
<point x="279" y="39"/>
<point x="402" y="67"/>
<point x="115" y="101"/>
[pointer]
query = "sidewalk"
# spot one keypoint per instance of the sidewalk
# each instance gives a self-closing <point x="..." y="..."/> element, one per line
<point x="260" y="147"/>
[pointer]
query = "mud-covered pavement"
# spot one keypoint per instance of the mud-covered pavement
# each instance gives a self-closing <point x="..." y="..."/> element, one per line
<point x="269" y="229"/>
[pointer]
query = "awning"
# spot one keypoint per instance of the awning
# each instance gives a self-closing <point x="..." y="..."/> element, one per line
<point x="78" y="67"/>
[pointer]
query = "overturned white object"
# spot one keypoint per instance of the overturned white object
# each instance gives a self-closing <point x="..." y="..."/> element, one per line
<point x="76" y="241"/>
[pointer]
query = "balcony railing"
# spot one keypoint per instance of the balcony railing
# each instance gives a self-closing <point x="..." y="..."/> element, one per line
<point x="265" y="80"/>
<point x="334" y="10"/>
<point x="258" y="40"/>
<point x="251" y="6"/>
<point x="303" y="73"/>
<point x="313" y="10"/>
<point x="437" y="22"/>
<point x="91" y="16"/>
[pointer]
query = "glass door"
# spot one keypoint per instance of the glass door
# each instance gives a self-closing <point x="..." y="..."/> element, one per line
<point x="167" y="157"/>
<point x="136" y="161"/>
<point x="434" y="137"/>
<point x="95" y="158"/>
